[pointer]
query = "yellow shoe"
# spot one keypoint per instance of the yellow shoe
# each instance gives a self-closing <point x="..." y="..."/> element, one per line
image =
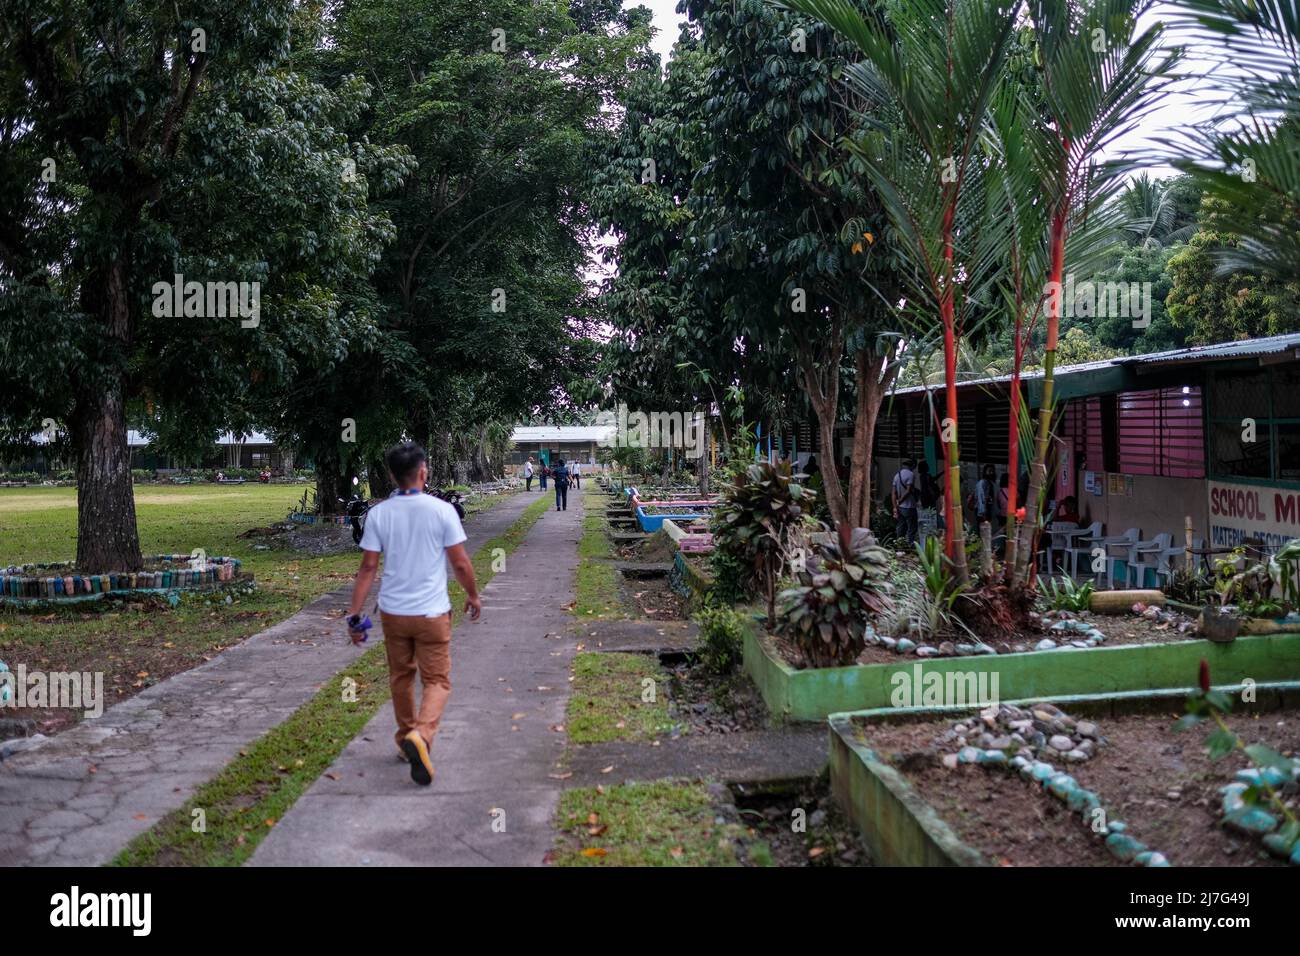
<point x="416" y="752"/>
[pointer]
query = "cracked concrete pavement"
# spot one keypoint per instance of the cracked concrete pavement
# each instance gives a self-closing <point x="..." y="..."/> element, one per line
<point x="79" y="797"/>
<point x="495" y="752"/>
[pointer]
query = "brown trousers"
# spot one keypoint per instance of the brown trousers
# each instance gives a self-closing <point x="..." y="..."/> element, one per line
<point x="417" y="643"/>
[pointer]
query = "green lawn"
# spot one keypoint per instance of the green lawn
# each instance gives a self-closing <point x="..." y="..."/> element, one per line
<point x="664" y="823"/>
<point x="609" y="698"/>
<point x="138" y="644"/>
<point x="597" y="585"/>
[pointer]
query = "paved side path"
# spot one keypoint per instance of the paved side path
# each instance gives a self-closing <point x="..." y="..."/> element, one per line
<point x="83" y="795"/>
<point x="495" y="751"/>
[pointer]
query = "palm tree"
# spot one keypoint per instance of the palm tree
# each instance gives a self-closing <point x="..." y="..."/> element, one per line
<point x="1099" y="77"/>
<point x="1249" y="157"/>
<point x="929" y="69"/>
<point x="1149" y="205"/>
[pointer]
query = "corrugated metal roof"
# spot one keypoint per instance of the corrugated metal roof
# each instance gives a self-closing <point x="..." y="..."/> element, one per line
<point x="528" y="434"/>
<point x="1219" y="352"/>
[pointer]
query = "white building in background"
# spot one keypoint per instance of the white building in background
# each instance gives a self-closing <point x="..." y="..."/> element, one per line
<point x="550" y="442"/>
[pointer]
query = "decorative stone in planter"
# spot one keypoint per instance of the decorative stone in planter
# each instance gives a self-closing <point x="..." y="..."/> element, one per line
<point x="62" y="582"/>
<point x="886" y="798"/>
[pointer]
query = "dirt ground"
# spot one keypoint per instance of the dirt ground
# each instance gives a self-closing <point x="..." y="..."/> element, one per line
<point x="1157" y="780"/>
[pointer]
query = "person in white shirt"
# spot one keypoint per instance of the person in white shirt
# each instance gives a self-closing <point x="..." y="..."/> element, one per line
<point x="528" y="474"/>
<point x="575" y="474"/>
<point x="418" y="536"/>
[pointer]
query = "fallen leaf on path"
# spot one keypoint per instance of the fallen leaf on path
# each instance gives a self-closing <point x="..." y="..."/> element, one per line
<point x="560" y="776"/>
<point x="609" y="769"/>
<point x="676" y="853"/>
<point x="332" y="776"/>
<point x="595" y="851"/>
<point x="593" y="818"/>
<point x="518" y="716"/>
<point x="598" y="831"/>
<point x="141" y="816"/>
<point x="816" y="852"/>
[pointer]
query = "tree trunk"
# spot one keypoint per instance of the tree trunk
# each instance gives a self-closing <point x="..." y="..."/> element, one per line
<point x="107" y="539"/>
<point x="381" y="484"/>
<point x="1038" y="472"/>
<point x="955" y="530"/>
<point x="871" y="395"/>
<point x="331" y="484"/>
<point x="821" y="382"/>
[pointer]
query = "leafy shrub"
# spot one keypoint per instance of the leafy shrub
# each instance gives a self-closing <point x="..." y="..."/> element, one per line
<point x="930" y="610"/>
<point x="827" y="614"/>
<point x="759" y="512"/>
<point x="733" y="578"/>
<point x="721" y="640"/>
<point x="1064" y="594"/>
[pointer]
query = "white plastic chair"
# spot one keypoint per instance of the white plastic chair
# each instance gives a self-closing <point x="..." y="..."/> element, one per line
<point x="1123" y="541"/>
<point x="1144" y="555"/>
<point x="1069" y="549"/>
<point x="1167" y="561"/>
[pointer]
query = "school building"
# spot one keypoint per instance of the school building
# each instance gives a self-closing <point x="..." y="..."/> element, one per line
<point x="1143" y="441"/>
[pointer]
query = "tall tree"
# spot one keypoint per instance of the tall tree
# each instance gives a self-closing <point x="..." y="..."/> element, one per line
<point x="933" y="67"/>
<point x="149" y="139"/>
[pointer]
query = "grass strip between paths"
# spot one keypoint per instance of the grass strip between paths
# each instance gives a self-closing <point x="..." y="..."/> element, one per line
<point x="597" y="586"/>
<point x="245" y="800"/>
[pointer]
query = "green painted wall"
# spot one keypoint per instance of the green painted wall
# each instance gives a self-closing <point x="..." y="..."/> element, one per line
<point x="815" y="693"/>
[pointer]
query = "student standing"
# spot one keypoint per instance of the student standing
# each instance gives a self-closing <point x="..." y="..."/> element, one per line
<point x="906" y="498"/>
<point x="560" y="474"/>
<point x="418" y="535"/>
<point x="528" y="474"/>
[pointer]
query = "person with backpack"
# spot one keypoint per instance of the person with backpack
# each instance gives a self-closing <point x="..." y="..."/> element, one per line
<point x="560" y="475"/>
<point x="906" y="498"/>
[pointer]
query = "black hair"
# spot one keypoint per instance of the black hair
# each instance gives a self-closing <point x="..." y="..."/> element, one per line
<point x="404" y="460"/>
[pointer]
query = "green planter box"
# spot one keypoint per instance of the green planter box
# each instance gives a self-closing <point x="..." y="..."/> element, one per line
<point x="896" y="822"/>
<point x="815" y="693"/>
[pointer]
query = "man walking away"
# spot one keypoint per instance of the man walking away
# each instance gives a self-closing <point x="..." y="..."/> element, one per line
<point x="560" y="475"/>
<point x="418" y="536"/>
<point x="906" y="499"/>
<point x="528" y="474"/>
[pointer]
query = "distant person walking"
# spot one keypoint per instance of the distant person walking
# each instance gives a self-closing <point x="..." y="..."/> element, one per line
<point x="575" y="474"/>
<point x="528" y="474"/>
<point x="561" y="476"/>
<point x="906" y="499"/>
<point x="418" y="535"/>
<point x="545" y="470"/>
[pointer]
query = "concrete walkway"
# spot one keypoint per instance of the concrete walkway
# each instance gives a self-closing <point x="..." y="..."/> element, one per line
<point x="80" y="797"/>
<point x="493" y="795"/>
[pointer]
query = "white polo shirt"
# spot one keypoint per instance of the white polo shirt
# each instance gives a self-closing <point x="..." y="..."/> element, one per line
<point x="413" y="532"/>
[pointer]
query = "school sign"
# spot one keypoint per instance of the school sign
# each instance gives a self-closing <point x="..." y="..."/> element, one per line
<point x="1266" y="512"/>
